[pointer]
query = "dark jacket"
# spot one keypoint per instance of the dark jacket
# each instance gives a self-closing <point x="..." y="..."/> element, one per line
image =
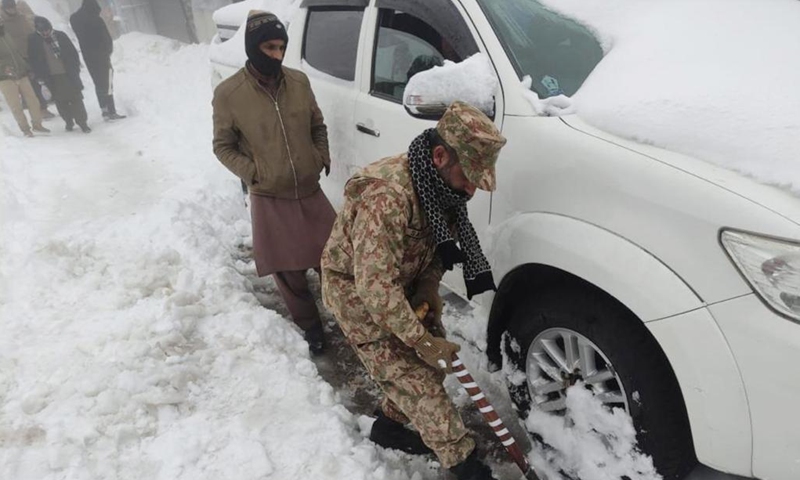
<point x="277" y="145"/>
<point x="69" y="56"/>
<point x="93" y="37"/>
<point x="12" y="64"/>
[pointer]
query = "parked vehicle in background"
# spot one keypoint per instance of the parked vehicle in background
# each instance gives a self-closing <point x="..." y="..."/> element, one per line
<point x="668" y="285"/>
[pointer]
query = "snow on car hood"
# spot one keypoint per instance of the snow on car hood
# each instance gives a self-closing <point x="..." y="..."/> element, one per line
<point x="717" y="80"/>
<point x="232" y="52"/>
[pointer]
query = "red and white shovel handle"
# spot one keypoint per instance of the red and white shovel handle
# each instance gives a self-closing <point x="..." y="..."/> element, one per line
<point x="491" y="416"/>
<point x="486" y="409"/>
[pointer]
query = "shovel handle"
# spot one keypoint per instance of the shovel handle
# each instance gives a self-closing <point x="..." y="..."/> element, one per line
<point x="489" y="414"/>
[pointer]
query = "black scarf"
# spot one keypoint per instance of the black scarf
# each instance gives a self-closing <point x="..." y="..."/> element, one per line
<point x="437" y="199"/>
<point x="265" y="65"/>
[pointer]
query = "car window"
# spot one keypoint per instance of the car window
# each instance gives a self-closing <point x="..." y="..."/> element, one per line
<point x="558" y="53"/>
<point x="407" y="45"/>
<point x="330" y="43"/>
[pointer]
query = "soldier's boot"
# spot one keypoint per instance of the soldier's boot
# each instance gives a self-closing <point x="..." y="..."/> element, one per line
<point x="315" y="336"/>
<point x="472" y="469"/>
<point x="390" y="434"/>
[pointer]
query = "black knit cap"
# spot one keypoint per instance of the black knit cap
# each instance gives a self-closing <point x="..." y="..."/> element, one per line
<point x="41" y="24"/>
<point x="261" y="27"/>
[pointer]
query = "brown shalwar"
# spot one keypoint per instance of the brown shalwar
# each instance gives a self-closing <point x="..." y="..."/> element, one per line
<point x="288" y="237"/>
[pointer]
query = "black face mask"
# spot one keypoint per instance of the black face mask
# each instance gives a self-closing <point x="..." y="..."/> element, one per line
<point x="266" y="65"/>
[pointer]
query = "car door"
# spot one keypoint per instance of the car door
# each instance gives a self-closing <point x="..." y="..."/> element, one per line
<point x="404" y="38"/>
<point x="332" y="33"/>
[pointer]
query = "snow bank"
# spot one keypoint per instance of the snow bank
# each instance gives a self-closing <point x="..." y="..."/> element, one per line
<point x="133" y="345"/>
<point x="714" y="79"/>
<point x="57" y="12"/>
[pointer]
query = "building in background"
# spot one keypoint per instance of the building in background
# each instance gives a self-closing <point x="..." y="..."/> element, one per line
<point x="185" y="20"/>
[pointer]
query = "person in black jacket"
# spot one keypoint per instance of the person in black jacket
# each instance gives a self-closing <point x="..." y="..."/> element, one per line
<point x="96" y="46"/>
<point x="53" y="58"/>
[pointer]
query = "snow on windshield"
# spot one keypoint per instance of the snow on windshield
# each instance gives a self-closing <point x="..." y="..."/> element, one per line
<point x="716" y="79"/>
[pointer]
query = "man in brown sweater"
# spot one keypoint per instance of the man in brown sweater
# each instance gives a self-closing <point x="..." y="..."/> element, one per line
<point x="270" y="133"/>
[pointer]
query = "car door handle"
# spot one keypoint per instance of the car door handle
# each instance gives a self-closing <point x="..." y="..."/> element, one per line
<point x="364" y="129"/>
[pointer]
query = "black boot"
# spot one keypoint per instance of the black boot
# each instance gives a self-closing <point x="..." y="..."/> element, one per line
<point x="110" y="111"/>
<point x="472" y="469"/>
<point x="390" y="434"/>
<point x="315" y="336"/>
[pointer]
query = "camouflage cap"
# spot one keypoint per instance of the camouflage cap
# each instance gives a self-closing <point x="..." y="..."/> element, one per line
<point x="475" y="139"/>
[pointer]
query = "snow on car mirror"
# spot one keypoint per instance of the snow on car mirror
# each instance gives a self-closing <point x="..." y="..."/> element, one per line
<point x="473" y="81"/>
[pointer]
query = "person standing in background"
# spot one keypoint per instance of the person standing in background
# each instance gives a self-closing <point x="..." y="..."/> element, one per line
<point x="18" y="18"/>
<point x="15" y="85"/>
<point x="54" y="59"/>
<point x="96" y="46"/>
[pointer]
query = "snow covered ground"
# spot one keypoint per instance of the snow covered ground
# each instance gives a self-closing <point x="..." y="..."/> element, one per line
<point x="134" y="343"/>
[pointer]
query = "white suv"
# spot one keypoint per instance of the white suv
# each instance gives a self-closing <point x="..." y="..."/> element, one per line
<point x="667" y="284"/>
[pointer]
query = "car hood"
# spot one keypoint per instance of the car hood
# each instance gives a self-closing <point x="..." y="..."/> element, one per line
<point x="777" y="200"/>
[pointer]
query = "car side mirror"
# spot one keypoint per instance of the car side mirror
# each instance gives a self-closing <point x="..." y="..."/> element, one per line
<point x="428" y="93"/>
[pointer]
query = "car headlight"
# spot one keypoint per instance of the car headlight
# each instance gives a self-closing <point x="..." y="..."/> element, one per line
<point x="771" y="267"/>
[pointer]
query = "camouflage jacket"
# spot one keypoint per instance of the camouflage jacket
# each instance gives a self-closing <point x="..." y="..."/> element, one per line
<point x="382" y="240"/>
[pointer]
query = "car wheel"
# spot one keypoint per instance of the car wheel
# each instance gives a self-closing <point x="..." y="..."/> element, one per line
<point x="566" y="335"/>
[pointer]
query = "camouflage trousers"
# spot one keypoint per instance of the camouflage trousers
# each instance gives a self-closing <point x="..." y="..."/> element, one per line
<point x="413" y="391"/>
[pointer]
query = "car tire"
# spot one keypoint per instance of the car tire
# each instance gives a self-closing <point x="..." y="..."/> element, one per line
<point x="653" y="397"/>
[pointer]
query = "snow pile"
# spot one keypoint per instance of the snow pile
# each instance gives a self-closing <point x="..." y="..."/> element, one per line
<point x="472" y="80"/>
<point x="56" y="11"/>
<point x="551" y="106"/>
<point x="589" y="442"/>
<point x="231" y="52"/>
<point x="715" y="79"/>
<point x="133" y="345"/>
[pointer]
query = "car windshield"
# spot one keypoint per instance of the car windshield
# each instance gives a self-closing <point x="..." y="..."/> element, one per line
<point x="558" y="53"/>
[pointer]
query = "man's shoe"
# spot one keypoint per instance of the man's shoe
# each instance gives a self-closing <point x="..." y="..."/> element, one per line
<point x="47" y="114"/>
<point x="27" y="133"/>
<point x="390" y="434"/>
<point x="85" y="128"/>
<point x="115" y="116"/>
<point x="70" y="126"/>
<point x="472" y="469"/>
<point x="315" y="336"/>
<point x="40" y="128"/>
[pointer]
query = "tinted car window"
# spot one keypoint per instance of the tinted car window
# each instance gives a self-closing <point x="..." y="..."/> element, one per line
<point x="331" y="41"/>
<point x="558" y="53"/>
<point x="407" y="45"/>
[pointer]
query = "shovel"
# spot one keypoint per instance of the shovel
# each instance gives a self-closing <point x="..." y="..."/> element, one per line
<point x="486" y="409"/>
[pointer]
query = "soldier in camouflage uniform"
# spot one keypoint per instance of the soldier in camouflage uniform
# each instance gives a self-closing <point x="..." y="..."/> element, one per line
<point x="390" y="245"/>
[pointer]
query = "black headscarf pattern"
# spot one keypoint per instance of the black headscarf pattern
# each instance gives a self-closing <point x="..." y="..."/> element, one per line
<point x="437" y="200"/>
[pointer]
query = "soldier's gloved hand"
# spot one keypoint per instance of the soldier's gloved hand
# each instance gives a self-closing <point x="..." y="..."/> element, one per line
<point x="428" y="292"/>
<point x="436" y="352"/>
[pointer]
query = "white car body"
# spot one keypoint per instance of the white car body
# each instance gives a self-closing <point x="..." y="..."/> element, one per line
<point x="641" y="223"/>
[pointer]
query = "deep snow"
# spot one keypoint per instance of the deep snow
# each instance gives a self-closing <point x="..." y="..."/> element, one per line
<point x="133" y="341"/>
